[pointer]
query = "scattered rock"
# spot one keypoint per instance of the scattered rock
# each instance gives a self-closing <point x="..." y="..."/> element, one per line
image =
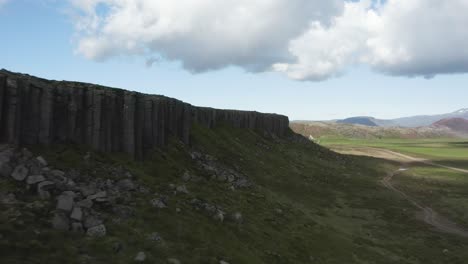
<point x="101" y="194"/>
<point x="65" y="202"/>
<point x="117" y="247"/>
<point x="223" y="262"/>
<point x="237" y="217"/>
<point x="19" y="173"/>
<point x="182" y="189"/>
<point x="140" y="257"/>
<point x="126" y="185"/>
<point x="278" y="211"/>
<point x="96" y="231"/>
<point x="158" y="203"/>
<point x="86" y="203"/>
<point x="177" y="210"/>
<point x="26" y="153"/>
<point x="155" y="237"/>
<point x="219" y="216"/>
<point x="34" y="179"/>
<point x="42" y="161"/>
<point x="186" y="177"/>
<point x="57" y="174"/>
<point x="88" y="190"/>
<point x="60" y="221"/>
<point x="173" y="261"/>
<point x="77" y="214"/>
<point x="91" y="221"/>
<point x="8" y="198"/>
<point x="43" y="189"/>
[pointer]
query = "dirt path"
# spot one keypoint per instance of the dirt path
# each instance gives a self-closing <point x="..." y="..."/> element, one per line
<point x="425" y="161"/>
<point x="430" y="216"/>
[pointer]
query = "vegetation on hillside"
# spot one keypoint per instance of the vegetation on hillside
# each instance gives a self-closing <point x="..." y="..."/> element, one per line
<point x="301" y="203"/>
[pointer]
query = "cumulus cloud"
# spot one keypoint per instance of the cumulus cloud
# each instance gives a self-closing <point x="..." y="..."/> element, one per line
<point x="202" y="34"/>
<point x="304" y="39"/>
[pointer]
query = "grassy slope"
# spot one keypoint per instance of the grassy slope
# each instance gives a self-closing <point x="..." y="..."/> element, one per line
<point x="442" y="189"/>
<point x="333" y="211"/>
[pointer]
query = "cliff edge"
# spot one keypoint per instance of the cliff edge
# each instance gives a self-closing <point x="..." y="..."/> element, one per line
<point x="38" y="111"/>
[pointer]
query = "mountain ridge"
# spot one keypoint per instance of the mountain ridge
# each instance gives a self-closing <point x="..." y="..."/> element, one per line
<point x="409" y="121"/>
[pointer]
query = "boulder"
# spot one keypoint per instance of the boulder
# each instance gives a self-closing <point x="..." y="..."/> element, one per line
<point x="26" y="153"/>
<point x="182" y="189"/>
<point x="101" y="194"/>
<point x="126" y="185"/>
<point x="158" y="203"/>
<point x="237" y="217"/>
<point x="140" y="256"/>
<point x="35" y="179"/>
<point x="41" y="161"/>
<point x="97" y="231"/>
<point x="88" y="190"/>
<point x="43" y="189"/>
<point x="57" y="174"/>
<point x="20" y="173"/>
<point x="65" y="202"/>
<point x="186" y="176"/>
<point x="219" y="216"/>
<point x="60" y="221"/>
<point x="91" y="221"/>
<point x="173" y="261"/>
<point x="155" y="237"/>
<point x="76" y="214"/>
<point x="86" y="203"/>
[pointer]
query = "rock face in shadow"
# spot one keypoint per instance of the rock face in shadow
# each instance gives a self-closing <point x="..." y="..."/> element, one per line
<point x="39" y="111"/>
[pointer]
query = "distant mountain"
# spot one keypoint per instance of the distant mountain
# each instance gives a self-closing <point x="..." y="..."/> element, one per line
<point x="459" y="125"/>
<point x="361" y="120"/>
<point x="427" y="120"/>
<point x="319" y="130"/>
<point x="411" y="121"/>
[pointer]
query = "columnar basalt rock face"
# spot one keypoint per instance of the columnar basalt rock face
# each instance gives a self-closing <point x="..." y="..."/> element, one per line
<point x="38" y="111"/>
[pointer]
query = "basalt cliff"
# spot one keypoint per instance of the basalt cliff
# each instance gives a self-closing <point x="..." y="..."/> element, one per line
<point x="38" y="111"/>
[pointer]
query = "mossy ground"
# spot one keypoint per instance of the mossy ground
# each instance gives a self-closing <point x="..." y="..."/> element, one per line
<point x="332" y="209"/>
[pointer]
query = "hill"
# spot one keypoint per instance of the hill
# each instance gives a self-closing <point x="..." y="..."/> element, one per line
<point x="366" y="121"/>
<point x="459" y="125"/>
<point x="330" y="129"/>
<point x="411" y="122"/>
<point x="229" y="191"/>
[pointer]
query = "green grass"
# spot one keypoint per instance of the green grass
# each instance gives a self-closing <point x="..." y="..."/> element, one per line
<point x="451" y="152"/>
<point x="442" y="189"/>
<point x="334" y="210"/>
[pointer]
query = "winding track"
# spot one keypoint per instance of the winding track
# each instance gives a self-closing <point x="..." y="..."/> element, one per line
<point x="430" y="216"/>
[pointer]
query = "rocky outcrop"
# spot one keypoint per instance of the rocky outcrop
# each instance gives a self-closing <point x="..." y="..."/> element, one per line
<point x="38" y="111"/>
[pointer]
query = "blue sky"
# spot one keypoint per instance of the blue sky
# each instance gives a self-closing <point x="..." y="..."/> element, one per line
<point x="39" y="38"/>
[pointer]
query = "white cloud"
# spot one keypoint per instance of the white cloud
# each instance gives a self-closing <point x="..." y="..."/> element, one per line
<point x="304" y="39"/>
<point x="398" y="37"/>
<point x="420" y="37"/>
<point x="202" y="34"/>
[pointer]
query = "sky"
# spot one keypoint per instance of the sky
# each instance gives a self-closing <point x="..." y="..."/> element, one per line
<point x="307" y="59"/>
